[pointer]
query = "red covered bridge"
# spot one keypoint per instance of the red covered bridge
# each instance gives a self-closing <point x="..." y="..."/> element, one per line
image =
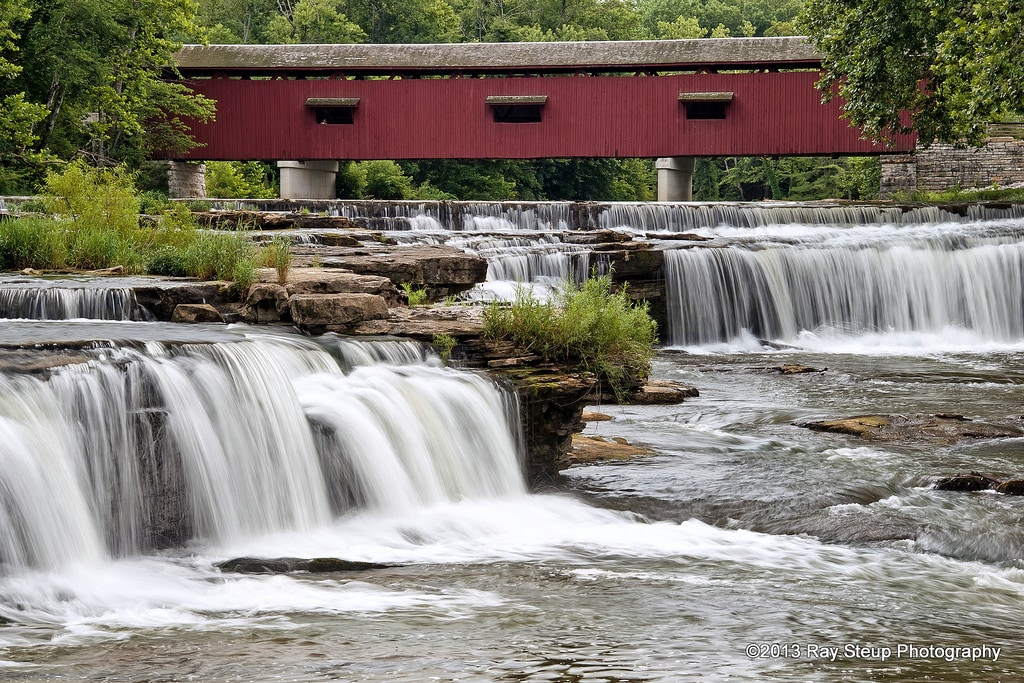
<point x="672" y="98"/>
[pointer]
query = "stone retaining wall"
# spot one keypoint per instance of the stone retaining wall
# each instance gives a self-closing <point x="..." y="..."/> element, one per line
<point x="943" y="167"/>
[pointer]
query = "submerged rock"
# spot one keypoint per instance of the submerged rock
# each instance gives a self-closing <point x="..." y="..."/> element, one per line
<point x="796" y="369"/>
<point x="942" y="428"/>
<point x="285" y="565"/>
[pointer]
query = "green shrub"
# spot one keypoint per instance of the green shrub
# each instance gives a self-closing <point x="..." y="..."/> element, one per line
<point x="239" y="180"/>
<point x="153" y="203"/>
<point x="93" y="198"/>
<point x="589" y="324"/>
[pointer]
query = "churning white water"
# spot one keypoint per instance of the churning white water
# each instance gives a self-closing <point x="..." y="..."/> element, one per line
<point x="63" y="300"/>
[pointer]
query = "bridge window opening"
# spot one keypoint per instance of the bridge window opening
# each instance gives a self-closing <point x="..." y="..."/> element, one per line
<point x="517" y="113"/>
<point x="517" y="108"/>
<point x="705" y="105"/>
<point x="705" y="110"/>
<point x="333" y="110"/>
<point x="327" y="115"/>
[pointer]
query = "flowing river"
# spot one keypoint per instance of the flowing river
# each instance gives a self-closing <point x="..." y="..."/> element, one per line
<point x="745" y="547"/>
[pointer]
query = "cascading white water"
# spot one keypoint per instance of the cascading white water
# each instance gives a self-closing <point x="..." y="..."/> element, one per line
<point x="48" y="301"/>
<point x="928" y="282"/>
<point x="228" y="441"/>
<point x="694" y="216"/>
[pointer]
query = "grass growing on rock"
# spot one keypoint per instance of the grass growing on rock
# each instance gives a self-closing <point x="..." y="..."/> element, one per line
<point x="590" y="324"/>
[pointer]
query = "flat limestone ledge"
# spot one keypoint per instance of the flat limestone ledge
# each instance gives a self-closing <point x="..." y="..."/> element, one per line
<point x="653" y="392"/>
<point x="439" y="268"/>
<point x="424" y="323"/>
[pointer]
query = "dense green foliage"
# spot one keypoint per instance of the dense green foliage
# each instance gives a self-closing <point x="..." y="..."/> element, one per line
<point x="91" y="221"/>
<point x="941" y="68"/>
<point x="82" y="78"/>
<point x="589" y="324"/>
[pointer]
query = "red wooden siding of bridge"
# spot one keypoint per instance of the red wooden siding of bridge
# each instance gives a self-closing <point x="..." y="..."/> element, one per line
<point x="771" y="113"/>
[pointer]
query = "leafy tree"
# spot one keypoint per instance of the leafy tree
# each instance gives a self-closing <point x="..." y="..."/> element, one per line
<point x="236" y="21"/>
<point x="405" y="21"/>
<point x="386" y="180"/>
<point x="943" y="69"/>
<point x="315" y="21"/>
<point x="483" y="179"/>
<point x="18" y="117"/>
<point x="739" y="17"/>
<point x="547" y="20"/>
<point x="96" y="66"/>
<point x="239" y="179"/>
<point x="681" y="29"/>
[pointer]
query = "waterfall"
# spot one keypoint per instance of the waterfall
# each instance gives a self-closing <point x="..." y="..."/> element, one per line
<point x="665" y="217"/>
<point x="39" y="300"/>
<point x="147" y="448"/>
<point x="926" y="282"/>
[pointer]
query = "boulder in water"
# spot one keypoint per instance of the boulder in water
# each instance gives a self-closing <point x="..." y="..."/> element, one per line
<point x="1011" y="487"/>
<point x="966" y="482"/>
<point x="916" y="428"/>
<point x="588" y="449"/>
<point x="662" y="392"/>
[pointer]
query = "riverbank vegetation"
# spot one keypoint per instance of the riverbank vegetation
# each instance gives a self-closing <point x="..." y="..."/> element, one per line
<point x="1007" y="194"/>
<point x="590" y="324"/>
<point x="89" y="220"/>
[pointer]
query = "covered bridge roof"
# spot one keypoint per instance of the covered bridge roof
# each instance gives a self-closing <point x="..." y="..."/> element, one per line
<point x="559" y="57"/>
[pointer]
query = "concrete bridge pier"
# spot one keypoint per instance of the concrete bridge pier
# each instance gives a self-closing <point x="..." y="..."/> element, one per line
<point x="675" y="179"/>
<point x="308" y="179"/>
<point x="186" y="180"/>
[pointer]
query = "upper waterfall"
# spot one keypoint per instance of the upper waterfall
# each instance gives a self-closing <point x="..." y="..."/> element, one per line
<point x="777" y="284"/>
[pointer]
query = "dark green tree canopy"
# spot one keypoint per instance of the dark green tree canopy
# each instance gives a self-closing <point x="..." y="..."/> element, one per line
<point x="943" y="68"/>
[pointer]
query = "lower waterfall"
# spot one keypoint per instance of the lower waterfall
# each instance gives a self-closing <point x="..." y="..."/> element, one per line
<point x="155" y="447"/>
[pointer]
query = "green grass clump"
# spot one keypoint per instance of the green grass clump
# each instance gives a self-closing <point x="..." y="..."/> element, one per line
<point x="444" y="344"/>
<point x="415" y="296"/>
<point x="602" y="330"/>
<point x="33" y="242"/>
<point x="277" y="254"/>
